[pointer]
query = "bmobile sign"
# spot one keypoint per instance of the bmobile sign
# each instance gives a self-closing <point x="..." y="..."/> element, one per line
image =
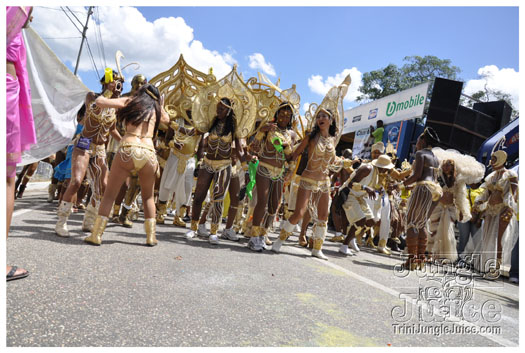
<point x="404" y="105"/>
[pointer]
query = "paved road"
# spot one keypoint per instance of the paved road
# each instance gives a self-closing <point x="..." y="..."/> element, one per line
<point x="191" y="293"/>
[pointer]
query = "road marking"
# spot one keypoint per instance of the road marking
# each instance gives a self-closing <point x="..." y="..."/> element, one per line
<point x="457" y="320"/>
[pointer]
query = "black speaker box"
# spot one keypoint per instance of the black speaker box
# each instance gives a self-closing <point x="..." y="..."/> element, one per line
<point x="500" y="110"/>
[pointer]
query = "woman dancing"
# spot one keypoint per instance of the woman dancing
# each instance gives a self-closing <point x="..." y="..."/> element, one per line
<point x="141" y="114"/>
<point x="314" y="188"/>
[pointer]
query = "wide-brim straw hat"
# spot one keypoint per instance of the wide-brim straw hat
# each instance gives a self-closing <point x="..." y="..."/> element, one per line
<point x="383" y="161"/>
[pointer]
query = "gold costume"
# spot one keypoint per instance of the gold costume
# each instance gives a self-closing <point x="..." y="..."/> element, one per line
<point x="139" y="153"/>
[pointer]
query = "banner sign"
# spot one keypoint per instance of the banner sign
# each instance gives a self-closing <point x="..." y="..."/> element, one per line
<point x="404" y="105"/>
<point x="359" y="149"/>
<point x="56" y="96"/>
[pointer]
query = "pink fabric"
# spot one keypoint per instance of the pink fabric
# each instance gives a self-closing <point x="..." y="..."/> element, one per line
<point x="16" y="17"/>
<point x="19" y="116"/>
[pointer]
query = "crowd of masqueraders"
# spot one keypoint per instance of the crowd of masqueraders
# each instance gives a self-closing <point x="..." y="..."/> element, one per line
<point x="244" y="145"/>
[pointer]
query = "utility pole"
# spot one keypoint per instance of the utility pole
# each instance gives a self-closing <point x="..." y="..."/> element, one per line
<point x="90" y="11"/>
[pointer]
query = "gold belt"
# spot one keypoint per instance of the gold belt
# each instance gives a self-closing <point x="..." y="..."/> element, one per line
<point x="183" y="159"/>
<point x="435" y="188"/>
<point x="217" y="164"/>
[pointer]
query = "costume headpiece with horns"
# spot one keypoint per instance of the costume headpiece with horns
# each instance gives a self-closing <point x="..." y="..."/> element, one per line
<point x="332" y="104"/>
<point x="243" y="103"/>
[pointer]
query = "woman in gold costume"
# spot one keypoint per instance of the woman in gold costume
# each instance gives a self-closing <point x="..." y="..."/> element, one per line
<point x="314" y="188"/>
<point x="273" y="146"/>
<point x="216" y="167"/>
<point x="499" y="206"/>
<point x="141" y="114"/>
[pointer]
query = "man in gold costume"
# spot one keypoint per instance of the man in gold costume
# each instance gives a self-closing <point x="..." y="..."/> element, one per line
<point x="90" y="153"/>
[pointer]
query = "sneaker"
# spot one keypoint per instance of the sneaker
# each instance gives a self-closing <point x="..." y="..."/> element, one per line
<point x="343" y="249"/>
<point x="202" y="231"/>
<point x="186" y="219"/>
<point x="230" y="235"/>
<point x="190" y="234"/>
<point x="213" y="239"/>
<point x="514" y="280"/>
<point x="255" y="245"/>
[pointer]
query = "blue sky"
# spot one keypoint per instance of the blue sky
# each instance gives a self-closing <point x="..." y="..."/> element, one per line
<point x="313" y="47"/>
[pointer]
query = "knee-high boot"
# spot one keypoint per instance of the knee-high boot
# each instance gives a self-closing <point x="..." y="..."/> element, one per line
<point x="286" y="231"/>
<point x="318" y="236"/>
<point x="149" y="227"/>
<point x="64" y="210"/>
<point x="98" y="229"/>
<point x="89" y="218"/>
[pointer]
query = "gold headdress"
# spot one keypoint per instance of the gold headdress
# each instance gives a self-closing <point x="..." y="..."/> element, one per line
<point x="179" y="85"/>
<point x="332" y="102"/>
<point x="390" y="149"/>
<point x="243" y="103"/>
<point x="270" y="97"/>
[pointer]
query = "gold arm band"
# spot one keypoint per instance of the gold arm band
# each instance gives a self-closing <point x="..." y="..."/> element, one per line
<point x="357" y="187"/>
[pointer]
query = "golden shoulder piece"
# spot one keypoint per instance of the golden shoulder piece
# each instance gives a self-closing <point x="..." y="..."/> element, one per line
<point x="179" y="85"/>
<point x="405" y="165"/>
<point x="332" y="102"/>
<point x="244" y="104"/>
<point x="390" y="148"/>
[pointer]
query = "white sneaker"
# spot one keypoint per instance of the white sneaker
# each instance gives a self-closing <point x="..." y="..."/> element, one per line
<point x="344" y="250"/>
<point x="297" y="228"/>
<point x="190" y="234"/>
<point x="213" y="239"/>
<point x="202" y="231"/>
<point x="255" y="245"/>
<point x="353" y="245"/>
<point x="230" y="234"/>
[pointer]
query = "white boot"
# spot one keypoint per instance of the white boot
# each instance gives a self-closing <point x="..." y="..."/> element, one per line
<point x="353" y="245"/>
<point x="276" y="247"/>
<point x="318" y="236"/>
<point x="51" y="192"/>
<point x="344" y="250"/>
<point x="64" y="210"/>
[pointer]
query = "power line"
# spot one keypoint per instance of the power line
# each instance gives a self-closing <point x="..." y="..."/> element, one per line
<point x="67" y="7"/>
<point x="98" y="37"/>
<point x="55" y="9"/>
<point x="61" y="37"/>
<point x="73" y="22"/>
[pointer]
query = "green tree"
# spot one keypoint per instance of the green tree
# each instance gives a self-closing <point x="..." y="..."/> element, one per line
<point x="416" y="70"/>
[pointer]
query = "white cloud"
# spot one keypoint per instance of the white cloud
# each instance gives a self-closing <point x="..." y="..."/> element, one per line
<point x="257" y="61"/>
<point x="505" y="80"/>
<point x="155" y="45"/>
<point x="321" y="86"/>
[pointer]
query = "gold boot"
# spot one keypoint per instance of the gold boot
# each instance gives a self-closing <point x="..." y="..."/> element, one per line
<point x="370" y="242"/>
<point x="177" y="220"/>
<point x="124" y="217"/>
<point x="161" y="212"/>
<point x="381" y="247"/>
<point x="149" y="227"/>
<point x="98" y="228"/>
<point x="89" y="218"/>
<point x="116" y="212"/>
<point x="267" y="240"/>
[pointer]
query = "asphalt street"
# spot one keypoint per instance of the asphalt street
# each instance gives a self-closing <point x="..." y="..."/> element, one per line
<point x="192" y="293"/>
